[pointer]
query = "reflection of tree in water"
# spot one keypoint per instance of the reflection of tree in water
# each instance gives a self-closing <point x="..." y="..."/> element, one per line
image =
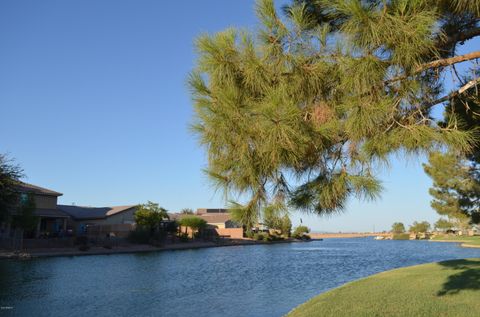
<point x="467" y="278"/>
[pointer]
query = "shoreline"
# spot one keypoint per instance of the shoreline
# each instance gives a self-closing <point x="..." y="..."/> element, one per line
<point x="134" y="248"/>
<point x="462" y="243"/>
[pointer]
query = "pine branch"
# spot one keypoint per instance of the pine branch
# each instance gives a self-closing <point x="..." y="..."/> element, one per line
<point x="449" y="61"/>
<point x="436" y="64"/>
<point x="470" y="84"/>
<point x="461" y="37"/>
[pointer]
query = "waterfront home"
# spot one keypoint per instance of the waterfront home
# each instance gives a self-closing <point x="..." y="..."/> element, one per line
<point x="58" y="220"/>
<point x="82" y="218"/>
<point x="218" y="220"/>
<point x="51" y="219"/>
<point x="221" y="221"/>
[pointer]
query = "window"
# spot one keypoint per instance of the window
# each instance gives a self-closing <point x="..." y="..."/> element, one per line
<point x="23" y="198"/>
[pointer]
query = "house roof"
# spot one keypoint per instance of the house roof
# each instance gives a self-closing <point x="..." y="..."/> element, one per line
<point x="80" y="212"/>
<point x="51" y="213"/>
<point x="203" y="211"/>
<point x="47" y="213"/>
<point x="216" y="217"/>
<point x="29" y="188"/>
<point x="208" y="217"/>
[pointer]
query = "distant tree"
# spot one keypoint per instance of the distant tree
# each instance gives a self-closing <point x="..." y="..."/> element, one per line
<point x="149" y="216"/>
<point x="420" y="227"/>
<point x="275" y="216"/>
<point x="186" y="211"/>
<point x="456" y="185"/>
<point x="10" y="174"/>
<point x="286" y="226"/>
<point x="443" y="225"/>
<point x="398" y="227"/>
<point x="196" y="224"/>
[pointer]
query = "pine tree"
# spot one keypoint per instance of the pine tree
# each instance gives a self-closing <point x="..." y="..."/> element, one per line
<point x="443" y="225"/>
<point x="304" y="109"/>
<point x="456" y="186"/>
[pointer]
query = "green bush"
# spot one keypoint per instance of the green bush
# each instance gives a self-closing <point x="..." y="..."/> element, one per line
<point x="401" y="236"/>
<point x="276" y="237"/>
<point x="257" y="236"/>
<point x="300" y="232"/>
<point x="261" y="236"/>
<point x="139" y="236"/>
<point x="249" y="234"/>
<point x="183" y="237"/>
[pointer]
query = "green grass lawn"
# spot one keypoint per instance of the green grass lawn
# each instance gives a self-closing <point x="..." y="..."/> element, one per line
<point x="450" y="288"/>
<point x="475" y="240"/>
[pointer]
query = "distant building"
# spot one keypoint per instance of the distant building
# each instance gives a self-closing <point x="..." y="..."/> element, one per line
<point x="220" y="220"/>
<point x="82" y="217"/>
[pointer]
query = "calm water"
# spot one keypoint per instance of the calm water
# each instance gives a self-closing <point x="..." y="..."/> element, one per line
<point x="264" y="280"/>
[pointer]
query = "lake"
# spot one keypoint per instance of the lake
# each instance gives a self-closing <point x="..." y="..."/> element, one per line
<point x="261" y="280"/>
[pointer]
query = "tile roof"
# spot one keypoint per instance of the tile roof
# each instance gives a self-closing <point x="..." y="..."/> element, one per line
<point x="79" y="212"/>
<point x="29" y="188"/>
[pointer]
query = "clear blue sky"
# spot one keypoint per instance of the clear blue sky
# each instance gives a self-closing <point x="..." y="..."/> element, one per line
<point x="94" y="104"/>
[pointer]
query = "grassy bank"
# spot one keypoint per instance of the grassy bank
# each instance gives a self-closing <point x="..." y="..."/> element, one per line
<point x="475" y="240"/>
<point x="450" y="288"/>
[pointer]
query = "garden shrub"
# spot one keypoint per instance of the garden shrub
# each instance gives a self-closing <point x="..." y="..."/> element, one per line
<point x="401" y="236"/>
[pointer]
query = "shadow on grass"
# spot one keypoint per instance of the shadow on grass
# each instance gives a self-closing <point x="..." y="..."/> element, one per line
<point x="467" y="278"/>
